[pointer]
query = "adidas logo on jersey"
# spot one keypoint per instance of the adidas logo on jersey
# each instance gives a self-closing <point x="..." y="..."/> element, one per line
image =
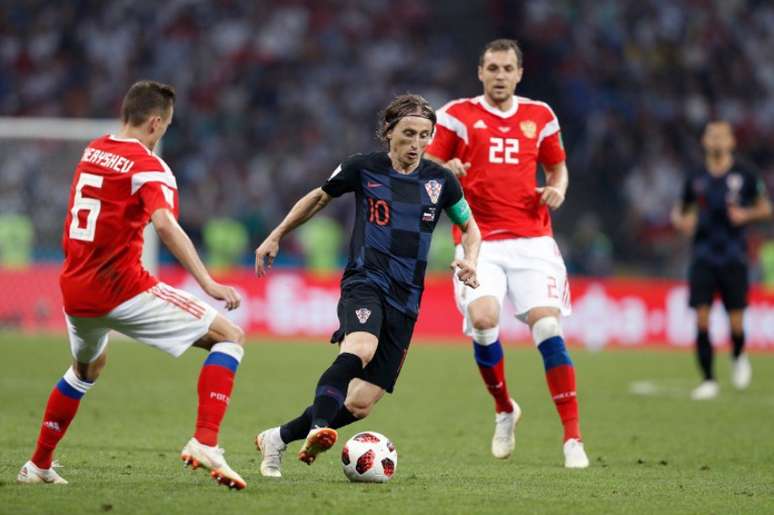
<point x="479" y="125"/>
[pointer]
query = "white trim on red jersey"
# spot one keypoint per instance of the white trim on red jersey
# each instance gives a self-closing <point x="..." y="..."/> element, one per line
<point x="452" y="123"/>
<point x="139" y="179"/>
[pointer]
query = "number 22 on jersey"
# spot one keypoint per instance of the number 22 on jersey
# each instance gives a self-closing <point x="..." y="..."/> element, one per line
<point x="503" y="150"/>
<point x="81" y="203"/>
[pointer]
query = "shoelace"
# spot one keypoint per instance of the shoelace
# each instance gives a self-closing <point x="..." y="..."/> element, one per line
<point x="56" y="465"/>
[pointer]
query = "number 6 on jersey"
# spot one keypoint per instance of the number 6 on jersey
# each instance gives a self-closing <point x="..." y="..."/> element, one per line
<point x="81" y="203"/>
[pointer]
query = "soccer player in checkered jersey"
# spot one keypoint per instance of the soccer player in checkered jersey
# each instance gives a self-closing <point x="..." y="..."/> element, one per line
<point x="493" y="144"/>
<point x="717" y="202"/>
<point x="120" y="186"/>
<point x="399" y="197"/>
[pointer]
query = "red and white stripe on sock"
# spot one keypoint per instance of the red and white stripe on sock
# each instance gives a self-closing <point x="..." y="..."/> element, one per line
<point x="216" y="381"/>
<point x="490" y="359"/>
<point x="560" y="373"/>
<point x="61" y="408"/>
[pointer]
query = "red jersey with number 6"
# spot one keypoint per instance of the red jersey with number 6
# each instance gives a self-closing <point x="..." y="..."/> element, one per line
<point x="503" y="149"/>
<point x="117" y="186"/>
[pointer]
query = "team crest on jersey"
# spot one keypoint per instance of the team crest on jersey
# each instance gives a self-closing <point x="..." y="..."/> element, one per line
<point x="528" y="128"/>
<point x="363" y="314"/>
<point x="433" y="188"/>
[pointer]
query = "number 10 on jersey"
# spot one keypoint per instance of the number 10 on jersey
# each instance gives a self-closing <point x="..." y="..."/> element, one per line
<point x="378" y="211"/>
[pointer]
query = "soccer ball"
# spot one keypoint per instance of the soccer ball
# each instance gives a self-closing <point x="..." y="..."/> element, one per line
<point x="369" y="457"/>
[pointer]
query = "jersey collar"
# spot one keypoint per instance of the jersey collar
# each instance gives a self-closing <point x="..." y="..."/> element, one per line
<point x="481" y="100"/>
<point x="113" y="137"/>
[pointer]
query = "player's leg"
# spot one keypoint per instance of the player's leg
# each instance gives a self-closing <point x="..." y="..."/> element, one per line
<point x="88" y="341"/>
<point x="273" y="442"/>
<point x="701" y="281"/>
<point x="360" y="313"/>
<point x="225" y="341"/>
<point x="560" y="378"/>
<point x="173" y="320"/>
<point x="356" y="352"/>
<point x="734" y="288"/>
<point x="540" y="292"/>
<point x="480" y="308"/>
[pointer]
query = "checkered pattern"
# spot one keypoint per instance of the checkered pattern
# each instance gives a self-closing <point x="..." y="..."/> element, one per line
<point x="717" y="241"/>
<point x="395" y="220"/>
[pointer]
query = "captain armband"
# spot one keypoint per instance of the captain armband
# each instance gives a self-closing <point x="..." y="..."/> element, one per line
<point x="459" y="213"/>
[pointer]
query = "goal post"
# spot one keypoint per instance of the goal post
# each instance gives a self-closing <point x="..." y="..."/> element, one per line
<point x="60" y="141"/>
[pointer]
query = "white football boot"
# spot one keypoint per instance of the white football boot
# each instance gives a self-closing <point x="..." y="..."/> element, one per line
<point x="575" y="455"/>
<point x="32" y="474"/>
<point x="504" y="439"/>
<point x="198" y="455"/>
<point x="705" y="391"/>
<point x="741" y="372"/>
<point x="271" y="447"/>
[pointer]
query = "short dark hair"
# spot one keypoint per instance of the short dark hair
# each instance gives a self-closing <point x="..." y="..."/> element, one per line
<point x="144" y="99"/>
<point x="400" y="107"/>
<point x="502" y="45"/>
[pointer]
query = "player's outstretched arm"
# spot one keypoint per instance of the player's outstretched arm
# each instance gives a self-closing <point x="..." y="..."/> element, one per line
<point x="471" y="244"/>
<point x="180" y="245"/>
<point x="557" y="179"/>
<point x="302" y="211"/>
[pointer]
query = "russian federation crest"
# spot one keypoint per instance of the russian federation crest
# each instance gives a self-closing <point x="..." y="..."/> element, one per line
<point x="528" y="128"/>
<point x="363" y="314"/>
<point x="433" y="188"/>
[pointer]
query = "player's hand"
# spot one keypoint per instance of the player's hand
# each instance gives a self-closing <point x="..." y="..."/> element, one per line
<point x="225" y="293"/>
<point x="466" y="272"/>
<point x="264" y="256"/>
<point x="458" y="168"/>
<point x="550" y="196"/>
<point x="738" y="215"/>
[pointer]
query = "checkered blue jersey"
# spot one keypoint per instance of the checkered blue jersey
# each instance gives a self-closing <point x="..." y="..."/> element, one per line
<point x="717" y="241"/>
<point x="395" y="218"/>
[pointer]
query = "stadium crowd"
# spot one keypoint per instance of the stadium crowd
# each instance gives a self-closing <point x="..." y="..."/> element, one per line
<point x="272" y="95"/>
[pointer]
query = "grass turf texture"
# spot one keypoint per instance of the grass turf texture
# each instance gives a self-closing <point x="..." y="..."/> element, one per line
<point x="654" y="453"/>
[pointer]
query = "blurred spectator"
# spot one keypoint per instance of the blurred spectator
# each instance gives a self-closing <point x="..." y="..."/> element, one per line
<point x="226" y="241"/>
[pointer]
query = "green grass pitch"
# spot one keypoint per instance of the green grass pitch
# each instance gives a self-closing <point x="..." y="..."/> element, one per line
<point x="655" y="453"/>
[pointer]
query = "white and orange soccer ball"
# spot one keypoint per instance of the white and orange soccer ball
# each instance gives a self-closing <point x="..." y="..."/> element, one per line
<point x="369" y="457"/>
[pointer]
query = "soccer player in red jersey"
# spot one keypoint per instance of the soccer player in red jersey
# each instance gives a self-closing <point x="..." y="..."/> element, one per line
<point x="119" y="187"/>
<point x="493" y="144"/>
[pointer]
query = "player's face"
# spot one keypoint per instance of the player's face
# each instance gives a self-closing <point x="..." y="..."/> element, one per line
<point x="409" y="139"/>
<point x="718" y="138"/>
<point x="500" y="73"/>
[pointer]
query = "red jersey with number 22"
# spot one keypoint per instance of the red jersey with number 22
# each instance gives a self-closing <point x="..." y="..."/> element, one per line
<point x="503" y="149"/>
<point x="117" y="186"/>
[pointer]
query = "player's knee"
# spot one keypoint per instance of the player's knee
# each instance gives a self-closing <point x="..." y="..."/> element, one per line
<point x="360" y="408"/>
<point x="90" y="371"/>
<point x="545" y="328"/>
<point x="235" y="334"/>
<point x="483" y="320"/>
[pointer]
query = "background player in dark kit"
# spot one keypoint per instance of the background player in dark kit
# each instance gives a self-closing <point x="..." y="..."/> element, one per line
<point x="398" y="198"/>
<point x="718" y="201"/>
